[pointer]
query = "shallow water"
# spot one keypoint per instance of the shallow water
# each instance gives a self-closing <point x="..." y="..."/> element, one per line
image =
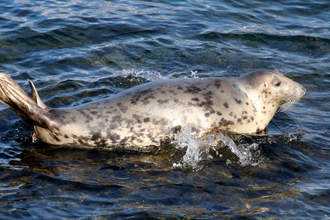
<point x="79" y="51"/>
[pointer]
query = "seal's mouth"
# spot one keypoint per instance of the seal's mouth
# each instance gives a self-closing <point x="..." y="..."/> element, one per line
<point x="299" y="92"/>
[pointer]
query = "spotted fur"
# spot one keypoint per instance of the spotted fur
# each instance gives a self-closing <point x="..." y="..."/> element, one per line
<point x="150" y="114"/>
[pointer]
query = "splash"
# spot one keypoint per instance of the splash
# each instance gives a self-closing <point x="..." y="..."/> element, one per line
<point x="145" y="74"/>
<point x="246" y="153"/>
<point x="199" y="149"/>
<point x="193" y="74"/>
<point x="149" y="75"/>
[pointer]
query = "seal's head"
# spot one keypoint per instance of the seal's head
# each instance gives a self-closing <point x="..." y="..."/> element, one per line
<point x="271" y="91"/>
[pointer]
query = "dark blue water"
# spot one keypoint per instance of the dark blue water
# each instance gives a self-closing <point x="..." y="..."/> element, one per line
<point x="79" y="51"/>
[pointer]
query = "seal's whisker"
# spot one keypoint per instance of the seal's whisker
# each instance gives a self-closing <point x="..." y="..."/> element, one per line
<point x="286" y="105"/>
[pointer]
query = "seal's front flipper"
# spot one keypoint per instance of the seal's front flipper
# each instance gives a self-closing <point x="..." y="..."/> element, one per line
<point x="31" y="110"/>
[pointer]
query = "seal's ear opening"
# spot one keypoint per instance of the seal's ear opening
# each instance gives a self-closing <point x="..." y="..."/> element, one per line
<point x="35" y="95"/>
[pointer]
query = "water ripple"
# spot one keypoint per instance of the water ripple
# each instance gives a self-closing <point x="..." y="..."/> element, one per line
<point x="79" y="51"/>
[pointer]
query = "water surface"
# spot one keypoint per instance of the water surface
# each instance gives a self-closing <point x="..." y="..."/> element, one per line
<point x="80" y="51"/>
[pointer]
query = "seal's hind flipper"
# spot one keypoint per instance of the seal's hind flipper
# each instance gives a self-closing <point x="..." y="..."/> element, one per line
<point x="12" y="95"/>
<point x="35" y="95"/>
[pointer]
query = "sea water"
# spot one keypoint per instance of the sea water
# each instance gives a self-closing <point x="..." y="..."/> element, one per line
<point x="80" y="51"/>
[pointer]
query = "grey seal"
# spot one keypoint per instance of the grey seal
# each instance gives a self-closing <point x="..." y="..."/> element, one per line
<point x="151" y="114"/>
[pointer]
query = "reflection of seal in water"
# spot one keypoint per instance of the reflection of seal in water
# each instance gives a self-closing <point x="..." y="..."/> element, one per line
<point x="149" y="113"/>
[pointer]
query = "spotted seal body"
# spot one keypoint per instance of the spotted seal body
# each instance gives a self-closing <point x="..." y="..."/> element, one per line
<point x="149" y="114"/>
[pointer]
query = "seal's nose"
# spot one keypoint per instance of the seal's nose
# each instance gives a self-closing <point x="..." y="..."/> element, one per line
<point x="301" y="91"/>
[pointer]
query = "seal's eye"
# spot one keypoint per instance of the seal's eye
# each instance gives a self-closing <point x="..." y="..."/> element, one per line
<point x="278" y="84"/>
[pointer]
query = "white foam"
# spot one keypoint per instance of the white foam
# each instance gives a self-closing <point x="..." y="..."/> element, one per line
<point x="198" y="149"/>
<point x="145" y="74"/>
<point x="244" y="152"/>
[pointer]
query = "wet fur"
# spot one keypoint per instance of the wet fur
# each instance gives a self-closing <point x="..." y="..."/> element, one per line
<point x="152" y="114"/>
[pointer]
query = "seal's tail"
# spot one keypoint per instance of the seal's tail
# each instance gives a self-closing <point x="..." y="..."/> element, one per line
<point x="31" y="110"/>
